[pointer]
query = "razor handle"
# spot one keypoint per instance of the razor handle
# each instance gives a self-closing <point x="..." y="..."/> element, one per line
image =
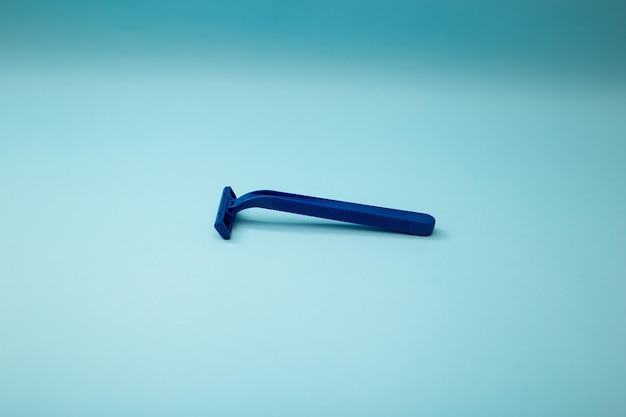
<point x="377" y="217"/>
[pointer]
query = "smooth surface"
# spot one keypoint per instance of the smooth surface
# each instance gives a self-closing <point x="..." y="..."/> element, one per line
<point x="117" y="297"/>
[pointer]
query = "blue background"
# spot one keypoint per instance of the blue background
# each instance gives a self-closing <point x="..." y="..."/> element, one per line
<point x="121" y="121"/>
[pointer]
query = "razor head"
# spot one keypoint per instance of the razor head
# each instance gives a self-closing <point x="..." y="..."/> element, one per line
<point x="225" y="215"/>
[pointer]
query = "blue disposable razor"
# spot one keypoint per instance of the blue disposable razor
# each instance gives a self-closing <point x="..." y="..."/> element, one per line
<point x="399" y="221"/>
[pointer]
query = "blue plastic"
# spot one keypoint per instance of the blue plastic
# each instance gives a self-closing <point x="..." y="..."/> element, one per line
<point x="399" y="221"/>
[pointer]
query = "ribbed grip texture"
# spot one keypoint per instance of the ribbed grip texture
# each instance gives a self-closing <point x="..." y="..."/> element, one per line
<point x="348" y="212"/>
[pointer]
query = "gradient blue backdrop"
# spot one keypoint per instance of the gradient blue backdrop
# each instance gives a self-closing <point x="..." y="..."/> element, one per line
<point x="121" y="121"/>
